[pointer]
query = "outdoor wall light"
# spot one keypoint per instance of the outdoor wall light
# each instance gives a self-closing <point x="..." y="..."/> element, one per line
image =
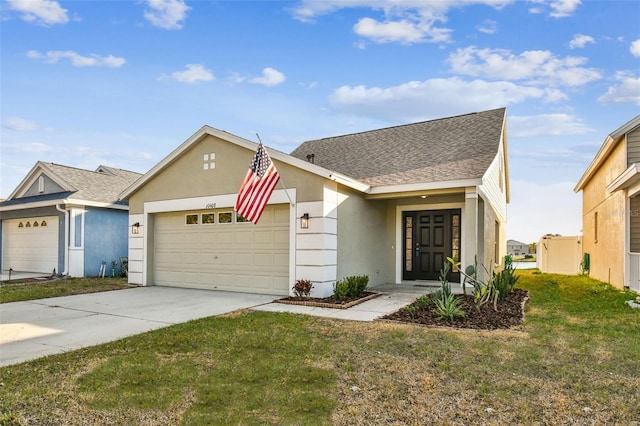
<point x="135" y="228"/>
<point x="304" y="221"/>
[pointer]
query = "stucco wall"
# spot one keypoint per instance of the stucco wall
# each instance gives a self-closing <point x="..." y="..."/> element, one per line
<point x="364" y="247"/>
<point x="106" y="239"/>
<point x="607" y="250"/>
<point x="186" y="176"/>
<point x="38" y="212"/>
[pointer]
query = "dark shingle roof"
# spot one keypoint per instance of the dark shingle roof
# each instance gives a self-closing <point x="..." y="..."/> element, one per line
<point x="454" y="148"/>
<point x="102" y="185"/>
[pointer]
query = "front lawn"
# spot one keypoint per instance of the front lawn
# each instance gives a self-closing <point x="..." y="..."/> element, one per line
<point x="574" y="361"/>
<point x="18" y="291"/>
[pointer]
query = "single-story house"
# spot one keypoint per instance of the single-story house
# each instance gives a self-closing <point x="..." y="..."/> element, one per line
<point x="516" y="248"/>
<point x="611" y="208"/>
<point x="391" y="203"/>
<point x="66" y="220"/>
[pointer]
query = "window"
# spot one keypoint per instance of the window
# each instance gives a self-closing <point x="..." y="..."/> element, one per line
<point x="191" y="219"/>
<point x="497" y="243"/>
<point x="241" y="219"/>
<point x="408" y="243"/>
<point x="208" y="218"/>
<point x="225" y="217"/>
<point x="595" y="227"/>
<point x="209" y="161"/>
<point x="455" y="237"/>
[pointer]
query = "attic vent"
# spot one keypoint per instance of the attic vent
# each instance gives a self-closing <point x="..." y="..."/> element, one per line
<point x="41" y="184"/>
<point x="311" y="158"/>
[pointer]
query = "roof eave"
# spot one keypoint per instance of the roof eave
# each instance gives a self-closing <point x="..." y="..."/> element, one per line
<point x="628" y="178"/>
<point x="424" y="186"/>
<point x="609" y="143"/>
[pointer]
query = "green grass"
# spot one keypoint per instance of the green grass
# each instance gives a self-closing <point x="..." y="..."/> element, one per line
<point x="576" y="360"/>
<point x="20" y="291"/>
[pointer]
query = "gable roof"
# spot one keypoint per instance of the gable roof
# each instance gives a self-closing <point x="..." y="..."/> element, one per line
<point x="252" y="146"/>
<point x="610" y="142"/>
<point x="447" y="149"/>
<point x="100" y="187"/>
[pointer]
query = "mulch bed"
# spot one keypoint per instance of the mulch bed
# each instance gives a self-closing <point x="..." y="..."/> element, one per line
<point x="329" y="302"/>
<point x="510" y="313"/>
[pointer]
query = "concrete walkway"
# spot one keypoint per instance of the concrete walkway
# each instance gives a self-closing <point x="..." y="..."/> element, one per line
<point x="38" y="328"/>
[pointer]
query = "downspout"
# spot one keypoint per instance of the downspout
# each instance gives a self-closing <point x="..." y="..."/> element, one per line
<point x="66" y="239"/>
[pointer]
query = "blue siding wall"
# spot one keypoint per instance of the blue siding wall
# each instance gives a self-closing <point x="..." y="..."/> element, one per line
<point x="105" y="239"/>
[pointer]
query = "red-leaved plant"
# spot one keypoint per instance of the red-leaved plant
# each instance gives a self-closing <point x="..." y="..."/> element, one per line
<point x="302" y="289"/>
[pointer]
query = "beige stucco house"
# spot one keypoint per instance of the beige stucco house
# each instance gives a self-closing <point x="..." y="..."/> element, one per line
<point x="611" y="208"/>
<point x="391" y="203"/>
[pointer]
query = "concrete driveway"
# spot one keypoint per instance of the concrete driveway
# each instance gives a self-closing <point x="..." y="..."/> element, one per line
<point x="37" y="328"/>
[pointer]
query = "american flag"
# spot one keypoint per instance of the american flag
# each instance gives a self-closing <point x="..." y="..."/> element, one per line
<point x="258" y="185"/>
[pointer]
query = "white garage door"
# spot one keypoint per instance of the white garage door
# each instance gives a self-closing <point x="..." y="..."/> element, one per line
<point x="213" y="250"/>
<point x="30" y="244"/>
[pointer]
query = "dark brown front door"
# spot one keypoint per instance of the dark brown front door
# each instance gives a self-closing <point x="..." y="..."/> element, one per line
<point x="430" y="236"/>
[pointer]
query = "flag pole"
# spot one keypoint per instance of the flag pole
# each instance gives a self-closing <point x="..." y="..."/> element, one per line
<point x="281" y="182"/>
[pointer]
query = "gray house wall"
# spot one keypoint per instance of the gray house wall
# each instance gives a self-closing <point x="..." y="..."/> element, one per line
<point x="633" y="147"/>
<point x="363" y="246"/>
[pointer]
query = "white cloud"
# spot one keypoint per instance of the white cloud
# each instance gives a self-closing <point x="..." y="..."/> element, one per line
<point x="488" y="26"/>
<point x="564" y="8"/>
<point x="546" y="125"/>
<point x="534" y="66"/>
<point x="166" y="14"/>
<point x="537" y="209"/>
<point x="77" y="60"/>
<point x="405" y="21"/>
<point x="392" y="31"/>
<point x="19" y="124"/>
<point x="270" y="77"/>
<point x="421" y="100"/>
<point x="635" y="48"/>
<point x="628" y="91"/>
<point x="193" y="74"/>
<point x="41" y="12"/>
<point x="29" y="148"/>
<point x="580" y="40"/>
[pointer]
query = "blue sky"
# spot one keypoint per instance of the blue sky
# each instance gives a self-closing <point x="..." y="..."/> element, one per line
<point x="123" y="83"/>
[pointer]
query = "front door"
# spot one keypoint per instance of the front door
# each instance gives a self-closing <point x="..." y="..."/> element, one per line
<point x="430" y="236"/>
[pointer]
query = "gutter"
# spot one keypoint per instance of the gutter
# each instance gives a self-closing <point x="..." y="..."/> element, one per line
<point x="66" y="239"/>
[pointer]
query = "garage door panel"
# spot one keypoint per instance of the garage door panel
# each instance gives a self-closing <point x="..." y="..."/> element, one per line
<point x="30" y="248"/>
<point x="233" y="257"/>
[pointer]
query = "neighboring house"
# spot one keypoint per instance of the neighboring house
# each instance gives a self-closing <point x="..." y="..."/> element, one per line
<point x="516" y="248"/>
<point x="392" y="203"/>
<point x="611" y="208"/>
<point x="65" y="219"/>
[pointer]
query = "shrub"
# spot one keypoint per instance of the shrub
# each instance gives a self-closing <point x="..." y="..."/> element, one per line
<point x="351" y="286"/>
<point x="504" y="281"/>
<point x="302" y="288"/>
<point x="340" y="290"/>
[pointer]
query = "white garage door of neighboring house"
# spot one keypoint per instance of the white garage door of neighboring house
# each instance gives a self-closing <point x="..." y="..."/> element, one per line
<point x="30" y="244"/>
<point x="201" y="249"/>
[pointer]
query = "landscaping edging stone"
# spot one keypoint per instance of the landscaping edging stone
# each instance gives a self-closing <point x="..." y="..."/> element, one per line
<point x="317" y="304"/>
